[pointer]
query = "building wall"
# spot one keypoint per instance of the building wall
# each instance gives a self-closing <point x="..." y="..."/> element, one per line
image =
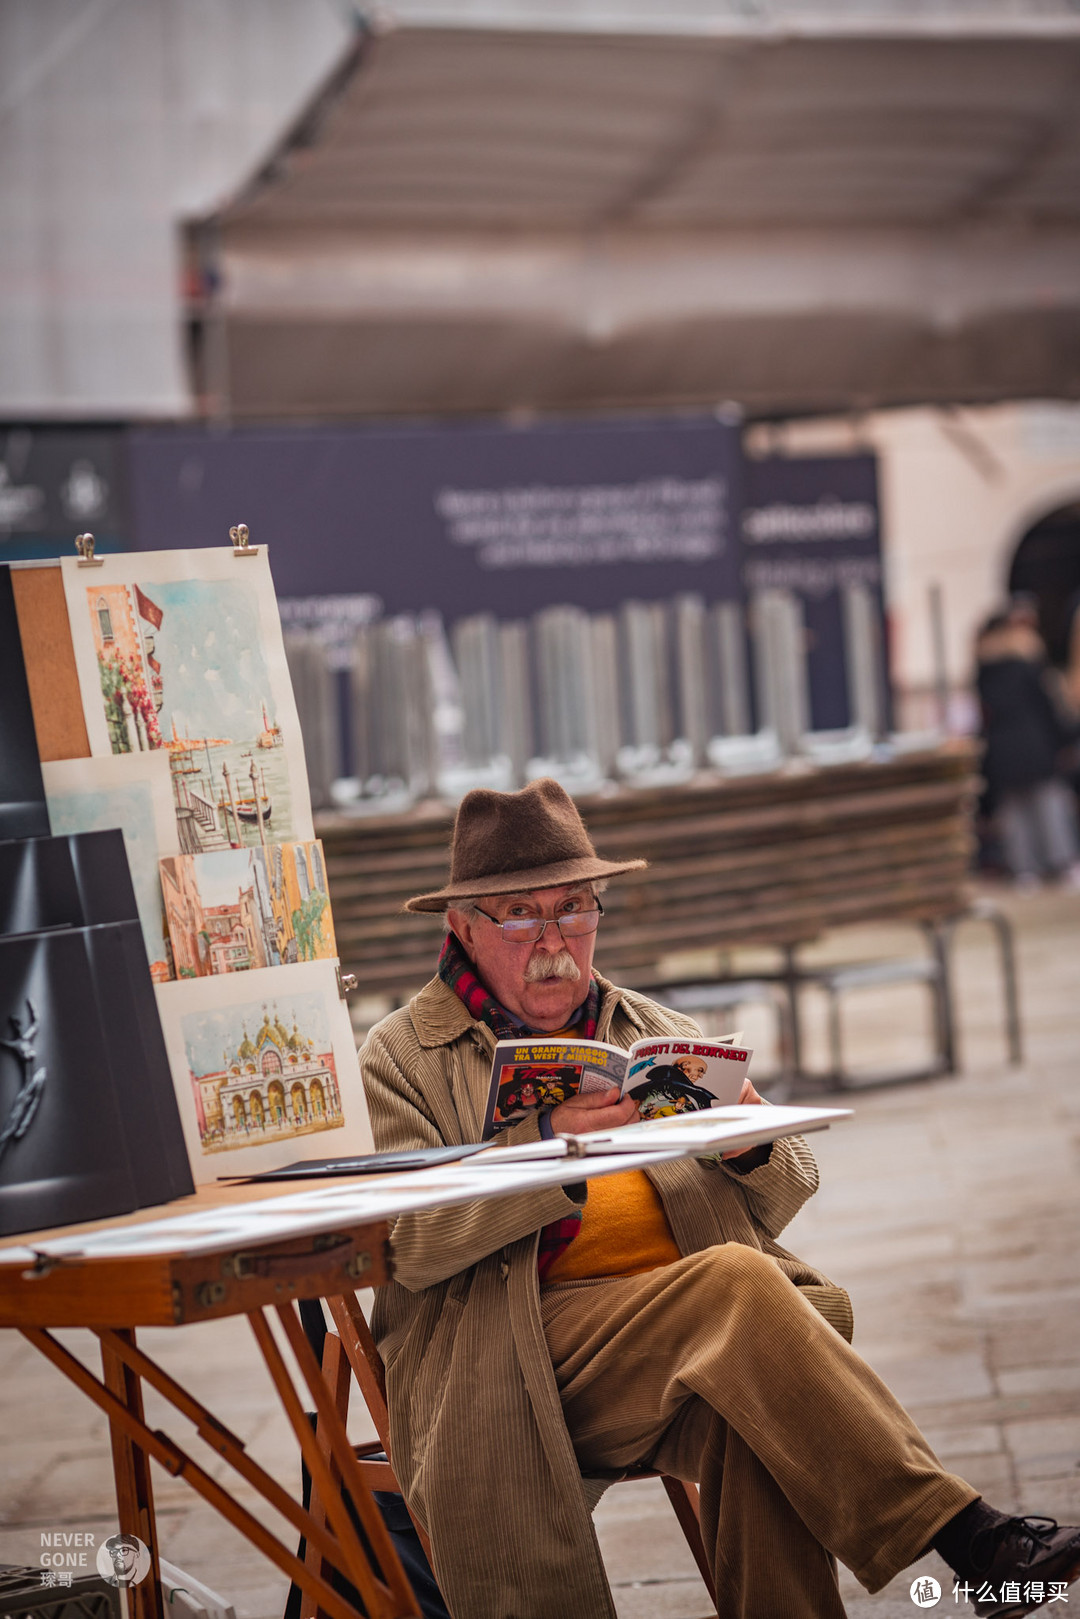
<point x="959" y="489"/>
<point x="118" y="120"/>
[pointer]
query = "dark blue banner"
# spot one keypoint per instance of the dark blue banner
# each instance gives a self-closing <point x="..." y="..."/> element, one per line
<point x="811" y="527"/>
<point x="463" y="519"/>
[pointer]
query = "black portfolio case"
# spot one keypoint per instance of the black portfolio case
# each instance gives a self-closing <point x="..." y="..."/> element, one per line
<point x="22" y="794"/>
<point x="76" y="881"/>
<point x="69" y="881"/>
<point x="84" y="1134"/>
<point x="63" y="1139"/>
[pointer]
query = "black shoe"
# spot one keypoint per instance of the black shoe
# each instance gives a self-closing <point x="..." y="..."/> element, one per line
<point x="1020" y="1565"/>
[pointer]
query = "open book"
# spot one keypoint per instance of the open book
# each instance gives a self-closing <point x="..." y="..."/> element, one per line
<point x="664" y="1076"/>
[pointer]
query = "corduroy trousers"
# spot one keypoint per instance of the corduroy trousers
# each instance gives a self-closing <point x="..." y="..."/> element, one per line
<point x="715" y="1369"/>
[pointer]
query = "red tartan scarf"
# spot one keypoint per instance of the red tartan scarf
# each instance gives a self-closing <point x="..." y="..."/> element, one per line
<point x="456" y="970"/>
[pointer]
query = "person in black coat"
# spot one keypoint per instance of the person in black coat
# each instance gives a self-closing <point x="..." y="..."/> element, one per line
<point x="1024" y="735"/>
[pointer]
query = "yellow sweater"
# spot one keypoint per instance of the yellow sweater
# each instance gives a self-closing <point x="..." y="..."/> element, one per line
<point x="624" y="1231"/>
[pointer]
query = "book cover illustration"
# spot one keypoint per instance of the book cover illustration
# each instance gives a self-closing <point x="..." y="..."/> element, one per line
<point x="664" y="1076"/>
<point x="181" y="653"/>
<point x="94" y="795"/>
<point x="682" y="1076"/>
<point x="240" y="909"/>
<point x="258" y="1071"/>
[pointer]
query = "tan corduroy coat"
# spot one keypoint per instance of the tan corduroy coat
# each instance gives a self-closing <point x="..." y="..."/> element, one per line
<point x="477" y="1433"/>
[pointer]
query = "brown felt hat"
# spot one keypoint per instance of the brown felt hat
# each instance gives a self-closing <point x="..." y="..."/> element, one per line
<point x="505" y="843"/>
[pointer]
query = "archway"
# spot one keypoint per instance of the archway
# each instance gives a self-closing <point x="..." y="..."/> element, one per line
<point x="1047" y="563"/>
<point x="299" y="1102"/>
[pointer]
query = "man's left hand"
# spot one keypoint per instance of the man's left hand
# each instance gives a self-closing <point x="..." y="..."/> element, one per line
<point x="747" y="1095"/>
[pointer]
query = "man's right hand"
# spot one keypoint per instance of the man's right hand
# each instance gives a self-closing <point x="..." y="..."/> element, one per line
<point x="593" y="1110"/>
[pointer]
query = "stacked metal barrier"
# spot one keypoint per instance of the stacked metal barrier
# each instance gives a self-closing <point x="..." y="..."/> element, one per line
<point x="644" y="693"/>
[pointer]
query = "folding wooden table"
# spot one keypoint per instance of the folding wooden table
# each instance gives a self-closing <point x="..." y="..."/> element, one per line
<point x="115" y="1296"/>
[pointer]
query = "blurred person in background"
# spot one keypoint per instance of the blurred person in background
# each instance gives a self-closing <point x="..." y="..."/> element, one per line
<point x="1025" y="735"/>
<point x="1072" y="655"/>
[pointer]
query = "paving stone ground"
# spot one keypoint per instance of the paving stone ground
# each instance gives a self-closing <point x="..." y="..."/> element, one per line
<point x="950" y="1209"/>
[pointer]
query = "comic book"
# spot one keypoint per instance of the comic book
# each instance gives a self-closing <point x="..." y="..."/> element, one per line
<point x="663" y="1076"/>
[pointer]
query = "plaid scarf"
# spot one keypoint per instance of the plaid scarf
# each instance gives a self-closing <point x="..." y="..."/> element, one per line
<point x="456" y="970"/>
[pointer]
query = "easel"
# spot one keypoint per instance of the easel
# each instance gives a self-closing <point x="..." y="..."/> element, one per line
<point x="114" y="1297"/>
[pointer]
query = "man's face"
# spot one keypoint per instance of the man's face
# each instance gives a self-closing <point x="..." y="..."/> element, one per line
<point x="520" y="976"/>
<point x="693" y="1067"/>
<point x="124" y="1556"/>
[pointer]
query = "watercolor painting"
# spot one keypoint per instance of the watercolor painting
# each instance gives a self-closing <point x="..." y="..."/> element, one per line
<point x="181" y="653"/>
<point x="241" y="909"/>
<point x="267" y="1076"/>
<point x="256" y="1077"/>
<point x="93" y="795"/>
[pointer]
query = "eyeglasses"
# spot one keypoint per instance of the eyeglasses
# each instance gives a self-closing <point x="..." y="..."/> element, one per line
<point x="530" y="929"/>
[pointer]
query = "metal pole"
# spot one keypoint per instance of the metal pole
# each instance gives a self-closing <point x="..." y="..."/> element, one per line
<point x="258" y="808"/>
<point x="938" y="654"/>
<point x="232" y="801"/>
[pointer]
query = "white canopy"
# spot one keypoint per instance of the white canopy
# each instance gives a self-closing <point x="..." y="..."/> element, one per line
<point x="797" y="217"/>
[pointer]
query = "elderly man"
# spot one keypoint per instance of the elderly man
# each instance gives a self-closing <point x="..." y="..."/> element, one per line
<point x="544" y="1341"/>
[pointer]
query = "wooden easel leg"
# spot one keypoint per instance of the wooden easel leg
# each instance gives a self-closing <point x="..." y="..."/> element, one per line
<point x="366" y="1362"/>
<point x="134" y="1491"/>
<point x="387" y="1595"/>
<point x="684" y="1498"/>
<point x="336" y="1373"/>
<point x="169" y="1455"/>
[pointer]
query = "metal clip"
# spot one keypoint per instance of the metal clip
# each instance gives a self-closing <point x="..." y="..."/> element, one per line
<point x="238" y="534"/>
<point x="347" y="984"/>
<point x="43" y="1264"/>
<point x="84" y="544"/>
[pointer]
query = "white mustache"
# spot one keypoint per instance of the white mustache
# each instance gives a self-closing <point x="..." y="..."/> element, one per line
<point x="537" y="968"/>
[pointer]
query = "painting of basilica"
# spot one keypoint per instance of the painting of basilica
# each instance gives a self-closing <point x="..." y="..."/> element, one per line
<point x="241" y="909"/>
<point x="265" y="1068"/>
<point x="275" y="1082"/>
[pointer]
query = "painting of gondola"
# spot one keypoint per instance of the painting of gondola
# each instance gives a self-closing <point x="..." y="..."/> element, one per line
<point x="181" y="653"/>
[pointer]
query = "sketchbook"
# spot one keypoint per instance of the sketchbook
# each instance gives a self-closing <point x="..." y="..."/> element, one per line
<point x="665" y="1077"/>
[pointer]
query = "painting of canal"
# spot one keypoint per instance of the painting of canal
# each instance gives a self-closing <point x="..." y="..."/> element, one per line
<point x="194" y="667"/>
<point x="236" y="910"/>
